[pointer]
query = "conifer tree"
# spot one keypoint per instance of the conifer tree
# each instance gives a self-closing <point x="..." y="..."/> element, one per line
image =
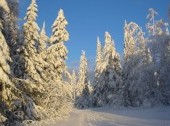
<point x="10" y="25"/>
<point x="74" y="78"/>
<point x="151" y="25"/>
<point x="31" y="29"/>
<point x="109" y="48"/>
<point x="83" y="100"/>
<point x="135" y="65"/>
<point x="99" y="61"/>
<point x="57" y="52"/>
<point x="31" y="38"/>
<point x="83" y="79"/>
<point x="59" y="93"/>
<point x="110" y="78"/>
<point x="4" y="51"/>
<point x="12" y="35"/>
<point x="74" y="84"/>
<point x="16" y="104"/>
<point x="43" y="39"/>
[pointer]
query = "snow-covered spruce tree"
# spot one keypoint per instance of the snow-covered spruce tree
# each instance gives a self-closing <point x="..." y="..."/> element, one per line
<point x="5" y="68"/>
<point x="158" y="40"/>
<point x="10" y="28"/>
<point x="83" y="99"/>
<point x="43" y="39"/>
<point x="56" y="53"/>
<point x="8" y="92"/>
<point x="58" y="98"/>
<point x="134" y="41"/>
<point x="16" y="104"/>
<point x="74" y="84"/>
<point x="31" y="38"/>
<point x="157" y="33"/>
<point x="83" y="74"/>
<point x="137" y="89"/>
<point x="99" y="61"/>
<point x="129" y="44"/>
<point x="107" y="89"/>
<point x="151" y="25"/>
<point x="32" y="63"/>
<point x="10" y="25"/>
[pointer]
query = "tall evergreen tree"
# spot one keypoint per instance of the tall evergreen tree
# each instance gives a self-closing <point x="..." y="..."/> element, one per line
<point x="109" y="48"/>
<point x="134" y="41"/>
<point x="151" y="25"/>
<point x="31" y="38"/>
<point x="10" y="25"/>
<point x="57" y="52"/>
<point x="99" y="61"/>
<point x="137" y="63"/>
<point x="83" y="78"/>
<point x="16" y="103"/>
<point x="110" y="78"/>
<point x="4" y="53"/>
<point x="129" y="44"/>
<point x="31" y="29"/>
<point x="74" y="84"/>
<point x="43" y="39"/>
<point x="83" y="100"/>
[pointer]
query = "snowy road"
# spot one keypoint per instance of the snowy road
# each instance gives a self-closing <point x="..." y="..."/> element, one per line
<point x="124" y="117"/>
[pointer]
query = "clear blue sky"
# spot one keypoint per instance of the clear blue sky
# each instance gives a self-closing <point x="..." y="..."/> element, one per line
<point x="91" y="18"/>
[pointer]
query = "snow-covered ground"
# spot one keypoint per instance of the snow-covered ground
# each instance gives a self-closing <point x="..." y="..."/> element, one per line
<point x="158" y="116"/>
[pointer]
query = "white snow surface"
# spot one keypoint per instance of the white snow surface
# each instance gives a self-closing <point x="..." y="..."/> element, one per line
<point x="157" y="116"/>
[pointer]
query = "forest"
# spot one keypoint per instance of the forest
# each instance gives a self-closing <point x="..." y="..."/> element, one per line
<point x="36" y="84"/>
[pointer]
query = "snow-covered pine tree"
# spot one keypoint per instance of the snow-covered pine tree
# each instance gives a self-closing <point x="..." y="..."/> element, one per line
<point x="158" y="39"/>
<point x="83" y="73"/>
<point x="109" y="48"/>
<point x="158" y="32"/>
<point x="136" y="87"/>
<point x="83" y="99"/>
<point x="57" y="52"/>
<point x="31" y="38"/>
<point x="74" y="84"/>
<point x="16" y="104"/>
<point x="10" y="28"/>
<point x="151" y="25"/>
<point x="43" y="39"/>
<point x="106" y="92"/>
<point x="57" y="101"/>
<point x="7" y="88"/>
<point x="99" y="61"/>
<point x="26" y="99"/>
<point x="10" y="25"/>
<point x="129" y="44"/>
<point x="134" y="41"/>
<point x="31" y="29"/>
<point x="5" y="82"/>
<point x="73" y="77"/>
<point x="11" y="34"/>
<point x="59" y="32"/>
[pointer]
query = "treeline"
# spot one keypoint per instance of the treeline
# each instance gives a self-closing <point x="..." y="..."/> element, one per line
<point x="141" y="77"/>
